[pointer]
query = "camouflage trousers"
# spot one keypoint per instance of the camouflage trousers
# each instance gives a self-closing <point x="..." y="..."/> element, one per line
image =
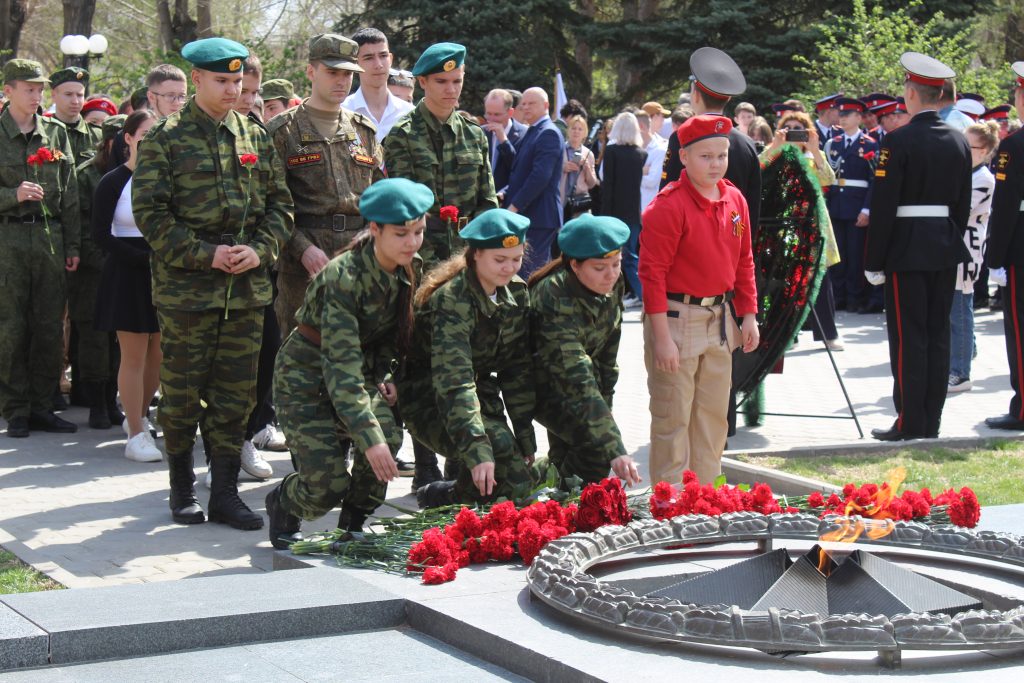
<point x="291" y="290"/>
<point x="93" y="353"/>
<point x="581" y="442"/>
<point x="425" y="423"/>
<point x="208" y="358"/>
<point x="576" y="460"/>
<point x="319" y="439"/>
<point x="31" y="317"/>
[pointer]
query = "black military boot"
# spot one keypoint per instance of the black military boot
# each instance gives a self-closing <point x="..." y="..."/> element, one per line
<point x="17" y="427"/>
<point x="285" y="528"/>
<point x="436" y="495"/>
<point x="427" y="471"/>
<point x="98" y="418"/>
<point x="59" y="402"/>
<point x="43" y="421"/>
<point x="351" y="519"/>
<point x="225" y="505"/>
<point x="185" y="507"/>
<point x="114" y="413"/>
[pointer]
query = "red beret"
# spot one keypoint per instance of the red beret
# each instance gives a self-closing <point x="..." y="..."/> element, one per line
<point x="100" y="104"/>
<point x="697" y="128"/>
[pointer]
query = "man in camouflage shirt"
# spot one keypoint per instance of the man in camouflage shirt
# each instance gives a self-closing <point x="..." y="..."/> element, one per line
<point x="91" y="350"/>
<point x="39" y="238"/>
<point x="209" y="196"/>
<point x="331" y="155"/>
<point x="436" y="146"/>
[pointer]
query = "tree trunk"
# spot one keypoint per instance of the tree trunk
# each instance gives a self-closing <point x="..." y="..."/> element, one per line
<point x="204" y="19"/>
<point x="163" y="12"/>
<point x="182" y="25"/>
<point x="13" y="14"/>
<point x="78" y="21"/>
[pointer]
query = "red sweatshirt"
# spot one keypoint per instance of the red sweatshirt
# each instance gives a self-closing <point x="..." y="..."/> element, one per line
<point x="692" y="245"/>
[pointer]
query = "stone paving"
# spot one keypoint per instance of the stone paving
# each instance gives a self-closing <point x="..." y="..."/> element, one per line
<point x="72" y="506"/>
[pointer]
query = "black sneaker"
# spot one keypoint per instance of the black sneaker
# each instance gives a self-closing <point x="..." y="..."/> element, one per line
<point x="17" y="427"/>
<point x="958" y="384"/>
<point x="405" y="469"/>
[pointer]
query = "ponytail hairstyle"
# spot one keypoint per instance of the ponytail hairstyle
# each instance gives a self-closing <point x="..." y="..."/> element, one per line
<point x="547" y="269"/>
<point x="445" y="272"/>
<point x="988" y="133"/>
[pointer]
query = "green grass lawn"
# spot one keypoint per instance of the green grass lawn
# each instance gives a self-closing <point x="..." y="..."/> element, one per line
<point x="995" y="472"/>
<point x="18" y="577"/>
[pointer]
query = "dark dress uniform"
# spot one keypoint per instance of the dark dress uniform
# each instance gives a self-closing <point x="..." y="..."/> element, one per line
<point x="854" y="164"/>
<point x="1005" y="249"/>
<point x="919" y="208"/>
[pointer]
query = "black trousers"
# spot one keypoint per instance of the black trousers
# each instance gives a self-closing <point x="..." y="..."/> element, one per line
<point x="917" y="305"/>
<point x="1013" y="326"/>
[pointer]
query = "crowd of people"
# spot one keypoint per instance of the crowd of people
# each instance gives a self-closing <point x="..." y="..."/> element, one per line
<point x="322" y="273"/>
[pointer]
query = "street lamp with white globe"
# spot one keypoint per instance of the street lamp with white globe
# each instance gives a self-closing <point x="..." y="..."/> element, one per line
<point x="77" y="49"/>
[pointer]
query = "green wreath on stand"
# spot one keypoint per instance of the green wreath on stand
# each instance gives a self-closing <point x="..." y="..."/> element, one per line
<point x="789" y="251"/>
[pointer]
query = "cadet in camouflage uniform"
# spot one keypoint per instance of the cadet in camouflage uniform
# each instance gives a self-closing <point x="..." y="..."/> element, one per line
<point x="331" y="155"/>
<point x="210" y="198"/>
<point x="91" y="350"/>
<point x="34" y="251"/>
<point x="333" y="381"/>
<point x="471" y="363"/>
<point x="436" y="146"/>
<point x="576" y="305"/>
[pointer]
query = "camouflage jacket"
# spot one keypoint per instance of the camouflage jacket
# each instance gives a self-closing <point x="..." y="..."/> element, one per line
<point x="60" y="186"/>
<point x="83" y="137"/>
<point x="451" y="158"/>
<point x="354" y="302"/>
<point x="468" y="350"/>
<point x="326" y="177"/>
<point x="88" y="178"/>
<point x="576" y="343"/>
<point x="189" y="194"/>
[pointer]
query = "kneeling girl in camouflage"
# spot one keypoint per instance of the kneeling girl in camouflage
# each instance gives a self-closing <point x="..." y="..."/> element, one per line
<point x="470" y="364"/>
<point x="576" y="310"/>
<point x="332" y="380"/>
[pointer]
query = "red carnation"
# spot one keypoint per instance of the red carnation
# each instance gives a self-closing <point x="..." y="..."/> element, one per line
<point x="248" y="159"/>
<point x="965" y="510"/>
<point x="469" y="523"/>
<point x="449" y="213"/>
<point x="816" y="500"/>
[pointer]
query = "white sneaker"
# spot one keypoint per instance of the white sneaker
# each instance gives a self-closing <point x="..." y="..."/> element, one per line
<point x="141" y="448"/>
<point x="632" y="302"/>
<point x="208" y="479"/>
<point x="253" y="463"/>
<point x="147" y="427"/>
<point x="269" y="439"/>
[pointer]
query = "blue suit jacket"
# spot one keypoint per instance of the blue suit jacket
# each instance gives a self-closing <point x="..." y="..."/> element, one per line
<point x="506" y="154"/>
<point x="533" y="186"/>
<point x="855" y="162"/>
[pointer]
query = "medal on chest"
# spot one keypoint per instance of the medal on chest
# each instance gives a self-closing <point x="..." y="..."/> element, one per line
<point x="359" y="154"/>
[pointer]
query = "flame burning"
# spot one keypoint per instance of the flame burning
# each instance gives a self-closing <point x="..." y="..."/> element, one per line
<point x="873" y="519"/>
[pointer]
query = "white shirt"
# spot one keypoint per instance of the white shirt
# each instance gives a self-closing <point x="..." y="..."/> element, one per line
<point x="983" y="184"/>
<point x="651" y="181"/>
<point x="123" y="224"/>
<point x="392" y="112"/>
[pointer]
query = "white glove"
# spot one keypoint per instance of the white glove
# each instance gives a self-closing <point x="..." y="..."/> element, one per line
<point x="998" y="276"/>
<point x="875" y="277"/>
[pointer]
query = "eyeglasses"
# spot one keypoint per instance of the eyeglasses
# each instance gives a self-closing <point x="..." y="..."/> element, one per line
<point x="983" y="149"/>
<point x="171" y="96"/>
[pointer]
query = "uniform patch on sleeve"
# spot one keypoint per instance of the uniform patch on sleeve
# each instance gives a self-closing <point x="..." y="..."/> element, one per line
<point x="1003" y="161"/>
<point x="879" y="172"/>
<point x="303" y="159"/>
<point x="883" y="159"/>
<point x="1000" y="176"/>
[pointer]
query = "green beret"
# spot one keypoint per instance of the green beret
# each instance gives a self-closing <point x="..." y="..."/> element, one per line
<point x="277" y="89"/>
<point x="589" y="236"/>
<point x="112" y="125"/>
<point x="496" y="229"/>
<point x="440" y="57"/>
<point x="395" y="201"/>
<point x="220" y="55"/>
<point x="334" y="51"/>
<point x="24" y="70"/>
<point x="71" y="74"/>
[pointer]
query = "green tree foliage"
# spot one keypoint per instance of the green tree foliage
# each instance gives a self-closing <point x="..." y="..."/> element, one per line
<point x="859" y="54"/>
<point x="515" y="45"/>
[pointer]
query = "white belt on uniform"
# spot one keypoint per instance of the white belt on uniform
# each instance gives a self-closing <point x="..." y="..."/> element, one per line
<point x="922" y="211"/>
<point x="846" y="182"/>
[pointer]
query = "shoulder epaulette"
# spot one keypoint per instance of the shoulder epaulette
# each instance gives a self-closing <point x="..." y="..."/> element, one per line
<point x="364" y="120"/>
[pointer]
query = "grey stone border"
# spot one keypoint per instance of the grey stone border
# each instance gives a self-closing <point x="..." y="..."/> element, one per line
<point x="558" y="577"/>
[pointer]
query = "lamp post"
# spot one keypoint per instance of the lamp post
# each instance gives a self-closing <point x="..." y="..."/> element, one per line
<point x="78" y="49"/>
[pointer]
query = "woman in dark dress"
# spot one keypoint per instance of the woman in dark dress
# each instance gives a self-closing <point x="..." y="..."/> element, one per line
<point x="124" y="303"/>
<point x="623" y="169"/>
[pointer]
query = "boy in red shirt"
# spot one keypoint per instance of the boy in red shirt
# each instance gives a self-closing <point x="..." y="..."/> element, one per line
<point x="695" y="258"/>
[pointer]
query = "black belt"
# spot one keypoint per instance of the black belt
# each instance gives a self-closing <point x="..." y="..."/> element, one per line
<point x="34" y="218"/>
<point x="338" y="222"/>
<point x="706" y="301"/>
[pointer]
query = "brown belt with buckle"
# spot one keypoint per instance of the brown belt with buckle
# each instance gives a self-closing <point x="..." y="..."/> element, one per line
<point x="29" y="219"/>
<point x="338" y="222"/>
<point x="310" y="334"/>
